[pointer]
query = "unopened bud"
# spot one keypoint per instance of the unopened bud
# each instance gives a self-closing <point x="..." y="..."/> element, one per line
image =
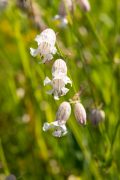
<point x="97" y="116"/>
<point x="84" y="4"/>
<point x="64" y="6"/>
<point x="59" y="67"/>
<point x="80" y="113"/>
<point x="63" y="112"/>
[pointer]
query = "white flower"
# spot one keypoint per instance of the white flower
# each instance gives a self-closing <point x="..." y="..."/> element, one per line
<point x="59" y="67"/>
<point x="58" y="125"/>
<point x="58" y="84"/>
<point x="62" y="20"/>
<point x="46" y="45"/>
<point x="65" y="7"/>
<point x="59" y="129"/>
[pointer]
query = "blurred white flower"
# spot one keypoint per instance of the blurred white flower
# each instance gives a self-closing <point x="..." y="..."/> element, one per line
<point x="25" y="118"/>
<point x="58" y="125"/>
<point x="46" y="45"/>
<point x="59" y="67"/>
<point x="62" y="19"/>
<point x="97" y="116"/>
<point x="84" y="4"/>
<point x="58" y="84"/>
<point x="20" y="92"/>
<point x="64" y="7"/>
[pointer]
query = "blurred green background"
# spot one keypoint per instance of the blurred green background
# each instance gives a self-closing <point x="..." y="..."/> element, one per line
<point x="90" y="45"/>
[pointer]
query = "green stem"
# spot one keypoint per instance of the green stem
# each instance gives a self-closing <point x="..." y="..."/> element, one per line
<point x="3" y="159"/>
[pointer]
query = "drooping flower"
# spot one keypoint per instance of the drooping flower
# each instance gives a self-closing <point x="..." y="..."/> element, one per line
<point x="80" y="113"/>
<point x="46" y="45"/>
<point x="59" y="67"/>
<point x="97" y="116"/>
<point x="64" y="7"/>
<point x="58" y="84"/>
<point x="58" y="126"/>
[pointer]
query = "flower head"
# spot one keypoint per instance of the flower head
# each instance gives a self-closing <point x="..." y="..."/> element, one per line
<point x="80" y="113"/>
<point x="58" y="84"/>
<point x="46" y="45"/>
<point x="58" y="125"/>
<point x="97" y="116"/>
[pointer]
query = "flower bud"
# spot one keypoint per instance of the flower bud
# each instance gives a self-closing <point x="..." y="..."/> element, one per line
<point x="63" y="112"/>
<point x="97" y="116"/>
<point x="59" y="67"/>
<point x="80" y="113"/>
<point x="85" y="5"/>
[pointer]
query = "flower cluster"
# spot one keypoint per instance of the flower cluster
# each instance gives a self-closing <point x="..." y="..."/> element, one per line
<point x="46" y="49"/>
<point x="62" y="116"/>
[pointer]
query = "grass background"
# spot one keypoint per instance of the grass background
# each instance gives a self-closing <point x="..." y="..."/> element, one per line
<point x="90" y="45"/>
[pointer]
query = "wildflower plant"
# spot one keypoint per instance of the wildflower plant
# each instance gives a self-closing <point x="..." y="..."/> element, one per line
<point x="46" y="47"/>
<point x="59" y="130"/>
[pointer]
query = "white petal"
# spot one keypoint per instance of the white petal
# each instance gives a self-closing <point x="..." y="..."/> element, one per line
<point x="54" y="50"/>
<point x="67" y="80"/>
<point x="47" y="81"/>
<point x="47" y="126"/>
<point x="34" y="52"/>
<point x="56" y="97"/>
<point x="64" y="91"/>
<point x="57" y="133"/>
<point x="38" y="39"/>
<point x="60" y="131"/>
<point x="47" y="57"/>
